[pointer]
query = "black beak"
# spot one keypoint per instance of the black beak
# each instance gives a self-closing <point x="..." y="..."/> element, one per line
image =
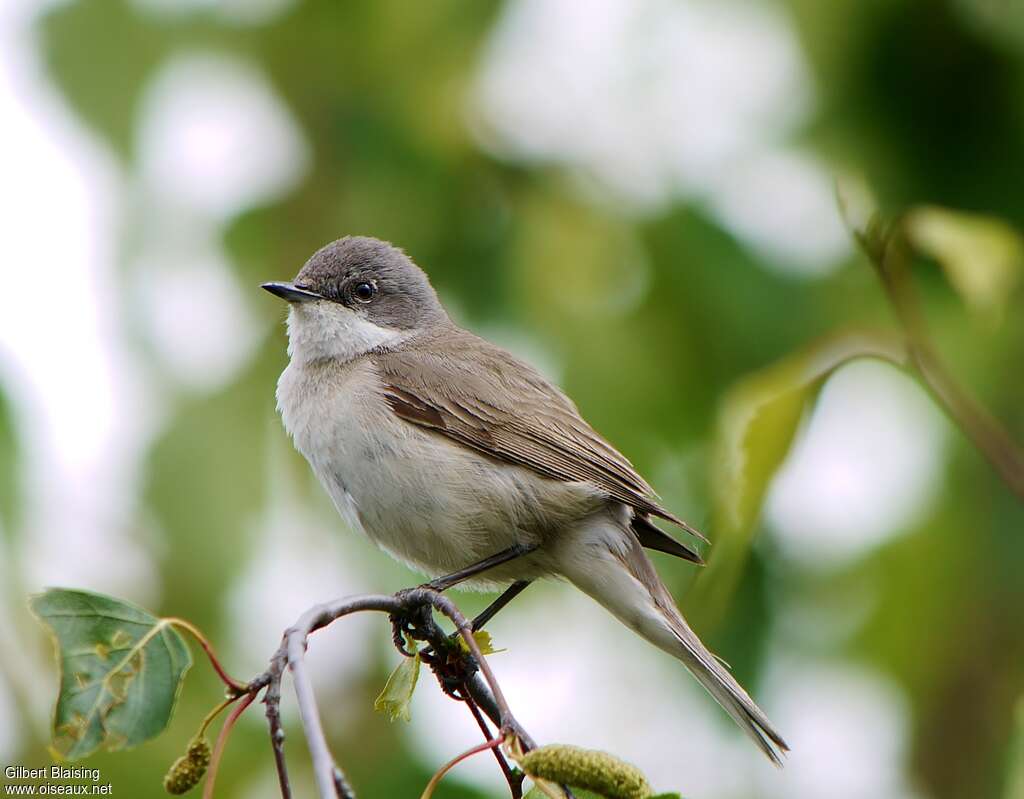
<point x="291" y="293"/>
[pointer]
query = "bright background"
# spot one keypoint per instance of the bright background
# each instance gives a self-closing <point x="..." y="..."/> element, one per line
<point x="634" y="194"/>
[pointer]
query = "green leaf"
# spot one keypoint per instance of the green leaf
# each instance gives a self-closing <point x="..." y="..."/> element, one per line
<point x="483" y="640"/>
<point x="396" y="697"/>
<point x="121" y="671"/>
<point x="757" y="424"/>
<point x="761" y="413"/>
<point x="983" y="257"/>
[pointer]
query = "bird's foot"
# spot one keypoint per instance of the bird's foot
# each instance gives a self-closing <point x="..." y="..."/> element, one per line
<point x="416" y="621"/>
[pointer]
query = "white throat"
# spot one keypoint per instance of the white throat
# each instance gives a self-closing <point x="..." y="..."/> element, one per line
<point x="323" y="329"/>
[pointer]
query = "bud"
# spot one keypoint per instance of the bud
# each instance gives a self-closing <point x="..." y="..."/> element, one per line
<point x="588" y="769"/>
<point x="187" y="770"/>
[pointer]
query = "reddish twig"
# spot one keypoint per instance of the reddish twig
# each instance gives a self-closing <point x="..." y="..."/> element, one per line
<point x="222" y="739"/>
<point x="417" y="602"/>
<point x="514" y="779"/>
<point x="494" y="743"/>
<point x="237" y="687"/>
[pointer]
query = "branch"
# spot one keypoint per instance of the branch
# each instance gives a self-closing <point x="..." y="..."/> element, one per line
<point x="272" y="702"/>
<point x="414" y="609"/>
<point x="514" y="779"/>
<point x="985" y="431"/>
<point x="462" y="672"/>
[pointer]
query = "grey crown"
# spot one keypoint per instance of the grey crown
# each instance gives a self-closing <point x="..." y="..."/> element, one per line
<point x="404" y="298"/>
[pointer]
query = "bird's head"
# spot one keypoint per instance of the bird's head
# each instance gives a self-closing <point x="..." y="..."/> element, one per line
<point x="355" y="295"/>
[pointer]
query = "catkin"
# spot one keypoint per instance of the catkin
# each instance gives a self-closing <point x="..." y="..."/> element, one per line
<point x="185" y="773"/>
<point x="589" y="769"/>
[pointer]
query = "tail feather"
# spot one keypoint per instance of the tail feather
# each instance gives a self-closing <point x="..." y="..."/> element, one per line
<point x="625" y="582"/>
<point x="703" y="665"/>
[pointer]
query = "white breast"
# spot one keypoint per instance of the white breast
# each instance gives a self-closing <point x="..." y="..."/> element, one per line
<point x="431" y="503"/>
<point x="327" y="410"/>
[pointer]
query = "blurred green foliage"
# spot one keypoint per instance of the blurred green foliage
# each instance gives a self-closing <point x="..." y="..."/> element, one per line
<point x="922" y="96"/>
<point x="10" y="483"/>
<point x="759" y="420"/>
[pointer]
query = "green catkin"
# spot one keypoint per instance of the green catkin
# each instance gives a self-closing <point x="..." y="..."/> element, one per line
<point x="185" y="773"/>
<point x="589" y="769"/>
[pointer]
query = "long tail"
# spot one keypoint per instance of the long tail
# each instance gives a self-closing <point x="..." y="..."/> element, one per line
<point x="625" y="582"/>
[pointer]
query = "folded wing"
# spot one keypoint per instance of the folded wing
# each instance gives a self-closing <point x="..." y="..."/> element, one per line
<point x="481" y="396"/>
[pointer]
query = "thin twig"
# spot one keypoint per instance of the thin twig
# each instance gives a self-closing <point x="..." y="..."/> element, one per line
<point x="212" y="715"/>
<point x="272" y="704"/>
<point x="236" y="687"/>
<point x="985" y="431"/>
<point x="330" y="780"/>
<point x="222" y="739"/>
<point x="514" y="780"/>
<point x="426" y="596"/>
<point x="428" y="792"/>
<point x="478" y="689"/>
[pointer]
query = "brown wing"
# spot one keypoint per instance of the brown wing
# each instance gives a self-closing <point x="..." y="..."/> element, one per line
<point x="483" y="397"/>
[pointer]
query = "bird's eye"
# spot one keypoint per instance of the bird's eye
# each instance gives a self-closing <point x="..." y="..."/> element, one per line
<point x="364" y="292"/>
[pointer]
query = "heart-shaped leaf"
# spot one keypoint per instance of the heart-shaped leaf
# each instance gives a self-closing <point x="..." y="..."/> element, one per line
<point x="757" y="424"/>
<point x="121" y="671"/>
<point x="396" y="697"/>
<point x="760" y="416"/>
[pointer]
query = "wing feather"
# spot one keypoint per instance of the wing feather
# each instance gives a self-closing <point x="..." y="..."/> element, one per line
<point x="483" y="397"/>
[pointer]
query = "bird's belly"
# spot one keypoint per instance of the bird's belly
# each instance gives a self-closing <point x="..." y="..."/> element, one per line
<point x="430" y="502"/>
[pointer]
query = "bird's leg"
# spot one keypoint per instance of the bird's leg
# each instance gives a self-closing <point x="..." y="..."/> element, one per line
<point x="485" y="616"/>
<point x="422" y="617"/>
<point x="491" y="610"/>
<point x="460" y="576"/>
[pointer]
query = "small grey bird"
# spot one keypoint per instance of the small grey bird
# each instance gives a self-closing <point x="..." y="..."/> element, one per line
<point x="465" y="463"/>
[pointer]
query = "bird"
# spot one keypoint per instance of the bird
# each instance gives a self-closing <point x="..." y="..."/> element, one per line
<point x="465" y="463"/>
